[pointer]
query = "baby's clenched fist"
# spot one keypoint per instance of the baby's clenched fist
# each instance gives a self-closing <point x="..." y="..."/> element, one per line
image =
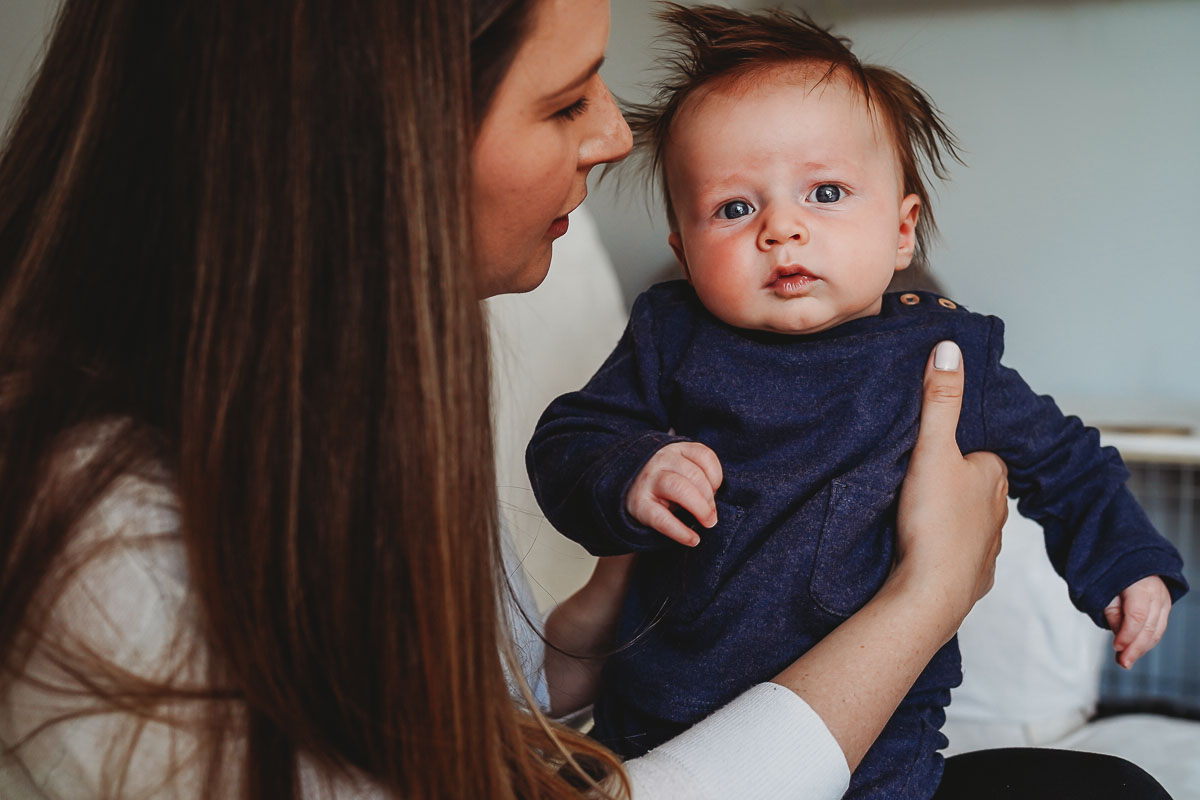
<point x="1138" y="618"/>
<point x="684" y="475"/>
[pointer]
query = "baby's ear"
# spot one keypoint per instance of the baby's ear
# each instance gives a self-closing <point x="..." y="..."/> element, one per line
<point x="910" y="211"/>
<point x="676" y="242"/>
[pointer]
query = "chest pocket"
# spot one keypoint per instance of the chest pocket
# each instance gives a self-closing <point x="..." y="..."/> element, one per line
<point x="854" y="551"/>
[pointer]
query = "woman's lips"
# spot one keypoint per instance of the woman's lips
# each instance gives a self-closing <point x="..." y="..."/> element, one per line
<point x="791" y="281"/>
<point x="558" y="227"/>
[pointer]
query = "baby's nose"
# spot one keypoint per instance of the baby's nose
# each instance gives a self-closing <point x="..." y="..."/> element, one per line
<point x="781" y="231"/>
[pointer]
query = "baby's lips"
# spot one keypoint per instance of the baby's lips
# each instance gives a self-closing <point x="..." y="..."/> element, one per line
<point x="788" y="271"/>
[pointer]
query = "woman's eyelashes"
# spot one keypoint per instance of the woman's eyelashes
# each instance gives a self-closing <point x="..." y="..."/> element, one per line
<point x="573" y="111"/>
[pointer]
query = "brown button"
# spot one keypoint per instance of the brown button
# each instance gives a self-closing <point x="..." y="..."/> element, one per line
<point x="944" y="303"/>
<point x="909" y="299"/>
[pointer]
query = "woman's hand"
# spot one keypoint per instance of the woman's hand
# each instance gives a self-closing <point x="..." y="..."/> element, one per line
<point x="951" y="510"/>
<point x="952" y="506"/>
<point x="580" y="634"/>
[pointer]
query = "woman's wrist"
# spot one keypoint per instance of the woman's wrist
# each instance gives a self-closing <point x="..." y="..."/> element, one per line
<point x="937" y="594"/>
<point x="933" y="602"/>
<point x="856" y="676"/>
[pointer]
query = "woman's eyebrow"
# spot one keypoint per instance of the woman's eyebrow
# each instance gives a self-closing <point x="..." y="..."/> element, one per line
<point x="582" y="79"/>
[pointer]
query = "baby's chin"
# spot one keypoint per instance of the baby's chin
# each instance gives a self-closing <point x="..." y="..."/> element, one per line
<point x="796" y="324"/>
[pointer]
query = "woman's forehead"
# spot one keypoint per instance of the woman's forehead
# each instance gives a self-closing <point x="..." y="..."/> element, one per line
<point x="565" y="43"/>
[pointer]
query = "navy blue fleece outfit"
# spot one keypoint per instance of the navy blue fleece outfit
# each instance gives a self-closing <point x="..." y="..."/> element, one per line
<point x="814" y="434"/>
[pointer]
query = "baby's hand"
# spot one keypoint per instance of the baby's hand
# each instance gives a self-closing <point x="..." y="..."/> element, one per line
<point x="684" y="474"/>
<point x="1138" y="618"/>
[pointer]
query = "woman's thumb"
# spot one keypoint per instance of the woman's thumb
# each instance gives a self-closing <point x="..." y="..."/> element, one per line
<point x="942" y="398"/>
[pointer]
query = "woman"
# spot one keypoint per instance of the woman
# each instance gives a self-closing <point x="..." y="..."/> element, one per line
<point x="247" y="513"/>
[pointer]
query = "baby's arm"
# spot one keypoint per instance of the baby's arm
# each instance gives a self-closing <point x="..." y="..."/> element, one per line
<point x="591" y="444"/>
<point x="683" y="474"/>
<point x="1138" y="618"/>
<point x="1098" y="536"/>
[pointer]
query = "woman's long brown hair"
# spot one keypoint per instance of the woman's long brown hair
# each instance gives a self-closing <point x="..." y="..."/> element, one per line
<point x="237" y="233"/>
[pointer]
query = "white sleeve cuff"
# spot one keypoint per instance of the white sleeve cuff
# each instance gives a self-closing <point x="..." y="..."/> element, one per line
<point x="768" y="743"/>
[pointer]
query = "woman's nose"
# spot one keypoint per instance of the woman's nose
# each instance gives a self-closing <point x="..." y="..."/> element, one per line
<point x="781" y="227"/>
<point x="611" y="139"/>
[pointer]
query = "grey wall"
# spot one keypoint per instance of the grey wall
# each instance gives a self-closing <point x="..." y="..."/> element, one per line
<point x="1076" y="215"/>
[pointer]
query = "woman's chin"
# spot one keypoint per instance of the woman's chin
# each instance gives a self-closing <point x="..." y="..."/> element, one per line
<point x="524" y="278"/>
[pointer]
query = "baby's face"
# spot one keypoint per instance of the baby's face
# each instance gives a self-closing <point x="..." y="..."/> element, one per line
<point x="789" y="201"/>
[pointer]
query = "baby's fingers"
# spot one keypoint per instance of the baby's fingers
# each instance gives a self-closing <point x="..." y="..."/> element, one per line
<point x="1113" y="616"/>
<point x="1151" y="634"/>
<point x="1135" y="611"/>
<point x="690" y="492"/>
<point x="704" y="458"/>
<point x="1143" y="621"/>
<point x="1147" y="637"/>
<point x="681" y="475"/>
<point x="663" y="520"/>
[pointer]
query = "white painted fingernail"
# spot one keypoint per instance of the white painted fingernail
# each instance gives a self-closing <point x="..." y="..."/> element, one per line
<point x="947" y="357"/>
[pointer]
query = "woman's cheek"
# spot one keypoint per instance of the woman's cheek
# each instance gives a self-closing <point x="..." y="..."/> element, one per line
<point x="552" y="176"/>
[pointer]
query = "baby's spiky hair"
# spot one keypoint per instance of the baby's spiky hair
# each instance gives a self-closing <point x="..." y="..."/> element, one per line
<point x="706" y="43"/>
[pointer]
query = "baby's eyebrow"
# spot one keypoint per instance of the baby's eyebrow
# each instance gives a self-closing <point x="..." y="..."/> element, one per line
<point x="733" y="182"/>
<point x="817" y="166"/>
<point x="721" y="183"/>
<point x="715" y="195"/>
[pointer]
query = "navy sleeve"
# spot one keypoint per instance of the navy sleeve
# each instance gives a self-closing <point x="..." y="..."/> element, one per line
<point x="1097" y="535"/>
<point x="589" y="445"/>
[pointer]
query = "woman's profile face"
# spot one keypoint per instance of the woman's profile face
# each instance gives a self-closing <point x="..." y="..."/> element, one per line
<point x="552" y="119"/>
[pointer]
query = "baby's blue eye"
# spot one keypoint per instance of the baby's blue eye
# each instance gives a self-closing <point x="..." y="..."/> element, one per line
<point x="735" y="209"/>
<point x="827" y="193"/>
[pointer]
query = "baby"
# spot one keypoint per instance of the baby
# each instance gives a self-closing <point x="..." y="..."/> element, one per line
<point x="750" y="432"/>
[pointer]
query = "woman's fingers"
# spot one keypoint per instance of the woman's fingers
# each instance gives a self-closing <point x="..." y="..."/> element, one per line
<point x="952" y="507"/>
<point x="991" y="471"/>
<point x="942" y="400"/>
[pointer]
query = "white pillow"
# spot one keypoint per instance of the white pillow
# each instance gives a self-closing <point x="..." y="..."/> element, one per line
<point x="1031" y="660"/>
<point x="544" y="343"/>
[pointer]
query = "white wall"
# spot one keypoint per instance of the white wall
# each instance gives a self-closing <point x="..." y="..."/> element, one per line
<point x="1076" y="215"/>
<point x="23" y="27"/>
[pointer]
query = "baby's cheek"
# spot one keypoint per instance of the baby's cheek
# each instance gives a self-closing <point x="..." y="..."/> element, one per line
<point x="722" y="290"/>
